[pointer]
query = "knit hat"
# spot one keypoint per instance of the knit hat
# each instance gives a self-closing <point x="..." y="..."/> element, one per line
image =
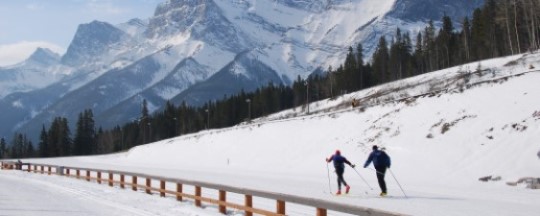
<point x="375" y="147"/>
<point x="338" y="152"/>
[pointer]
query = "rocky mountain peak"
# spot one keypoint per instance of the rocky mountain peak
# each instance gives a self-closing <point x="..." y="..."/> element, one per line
<point x="44" y="56"/>
<point x="90" y="40"/>
<point x="202" y="20"/>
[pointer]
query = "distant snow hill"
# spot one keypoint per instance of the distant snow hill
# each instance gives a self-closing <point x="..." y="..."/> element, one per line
<point x="196" y="51"/>
<point x="443" y="131"/>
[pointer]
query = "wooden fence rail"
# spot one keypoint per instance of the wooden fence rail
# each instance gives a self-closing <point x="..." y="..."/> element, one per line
<point x="320" y="206"/>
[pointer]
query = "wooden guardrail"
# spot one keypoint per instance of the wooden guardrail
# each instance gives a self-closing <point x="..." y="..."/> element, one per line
<point x="122" y="179"/>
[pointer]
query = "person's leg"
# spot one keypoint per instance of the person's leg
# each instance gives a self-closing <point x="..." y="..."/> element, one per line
<point x="340" y="180"/>
<point x="380" y="178"/>
<point x="343" y="180"/>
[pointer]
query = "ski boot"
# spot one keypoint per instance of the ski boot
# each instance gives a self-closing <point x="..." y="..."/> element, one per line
<point x="347" y="188"/>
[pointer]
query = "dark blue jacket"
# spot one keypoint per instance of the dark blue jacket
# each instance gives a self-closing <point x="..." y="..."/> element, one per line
<point x="379" y="158"/>
<point x="339" y="161"/>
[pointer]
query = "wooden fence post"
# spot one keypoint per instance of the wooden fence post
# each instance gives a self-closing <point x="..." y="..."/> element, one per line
<point x="321" y="212"/>
<point x="122" y="181"/>
<point x="148" y="185"/>
<point x="87" y="175"/>
<point x="162" y="187"/>
<point x="134" y="183"/>
<point x="248" y="203"/>
<point x="42" y="170"/>
<point x="178" y="190"/>
<point x="110" y="179"/>
<point x="280" y="207"/>
<point x="198" y="195"/>
<point x="78" y="174"/>
<point x="67" y="171"/>
<point x="49" y="170"/>
<point x="99" y="177"/>
<point x="222" y="198"/>
<point x="29" y="168"/>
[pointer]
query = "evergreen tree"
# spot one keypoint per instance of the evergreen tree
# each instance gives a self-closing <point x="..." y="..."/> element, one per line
<point x="400" y="56"/>
<point x="331" y="81"/>
<point x="478" y="36"/>
<point x="466" y="40"/>
<point x="60" y="143"/>
<point x="349" y="70"/>
<point x="419" y="56"/>
<point x="85" y="135"/>
<point x="3" y="148"/>
<point x="43" y="143"/>
<point x="359" y="75"/>
<point x="17" y="146"/>
<point x="30" y="151"/>
<point x="381" y="60"/>
<point x="429" y="47"/>
<point x="446" y="41"/>
<point x="144" y="123"/>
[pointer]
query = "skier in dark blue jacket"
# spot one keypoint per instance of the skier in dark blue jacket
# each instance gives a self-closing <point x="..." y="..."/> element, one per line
<point x="339" y="165"/>
<point x="381" y="161"/>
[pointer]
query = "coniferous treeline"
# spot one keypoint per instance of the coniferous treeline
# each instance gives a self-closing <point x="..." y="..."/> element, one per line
<point x="500" y="28"/>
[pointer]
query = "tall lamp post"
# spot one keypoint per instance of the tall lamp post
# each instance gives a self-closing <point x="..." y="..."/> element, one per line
<point x="150" y="132"/>
<point x="307" y="95"/>
<point x="122" y="138"/>
<point x="249" y="109"/>
<point x="207" y="118"/>
<point x="175" y="127"/>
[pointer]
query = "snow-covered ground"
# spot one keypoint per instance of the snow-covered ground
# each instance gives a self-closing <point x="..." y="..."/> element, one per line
<point x="25" y="193"/>
<point x="440" y="144"/>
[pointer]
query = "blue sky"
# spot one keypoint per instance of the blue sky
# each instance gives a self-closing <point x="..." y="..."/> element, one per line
<point x="28" y="24"/>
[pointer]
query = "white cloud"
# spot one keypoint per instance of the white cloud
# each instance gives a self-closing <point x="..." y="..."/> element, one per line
<point x="14" y="53"/>
<point x="105" y="7"/>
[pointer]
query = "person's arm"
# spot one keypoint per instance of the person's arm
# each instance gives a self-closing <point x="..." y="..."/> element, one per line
<point x="348" y="162"/>
<point x="389" y="161"/>
<point x="330" y="159"/>
<point x="368" y="161"/>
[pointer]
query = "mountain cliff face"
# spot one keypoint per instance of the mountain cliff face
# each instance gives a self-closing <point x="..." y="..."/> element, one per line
<point x="414" y="10"/>
<point x="200" y="50"/>
<point x="92" y="41"/>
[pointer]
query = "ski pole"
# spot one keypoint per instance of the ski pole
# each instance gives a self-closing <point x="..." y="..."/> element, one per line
<point x="328" y="171"/>
<point x="375" y="170"/>
<point x="398" y="183"/>
<point x="394" y="179"/>
<point x="362" y="178"/>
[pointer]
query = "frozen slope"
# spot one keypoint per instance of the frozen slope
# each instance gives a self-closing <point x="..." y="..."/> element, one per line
<point x="442" y="138"/>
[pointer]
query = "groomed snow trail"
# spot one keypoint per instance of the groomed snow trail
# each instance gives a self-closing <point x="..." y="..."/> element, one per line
<point x="24" y="193"/>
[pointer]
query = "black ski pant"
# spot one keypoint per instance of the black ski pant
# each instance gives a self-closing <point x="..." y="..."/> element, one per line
<point x="340" y="179"/>
<point x="380" y="177"/>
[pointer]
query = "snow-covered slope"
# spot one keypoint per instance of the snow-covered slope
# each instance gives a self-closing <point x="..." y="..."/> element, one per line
<point x="443" y="130"/>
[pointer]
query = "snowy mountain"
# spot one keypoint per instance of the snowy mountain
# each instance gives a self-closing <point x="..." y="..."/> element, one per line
<point x="201" y="50"/>
<point x="413" y="10"/>
<point x="443" y="130"/>
<point x="39" y="70"/>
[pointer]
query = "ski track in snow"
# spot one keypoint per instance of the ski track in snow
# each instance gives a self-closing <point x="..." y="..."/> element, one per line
<point x="28" y="194"/>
